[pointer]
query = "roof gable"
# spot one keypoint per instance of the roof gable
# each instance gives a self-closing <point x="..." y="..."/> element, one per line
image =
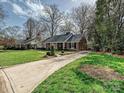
<point x="75" y="38"/>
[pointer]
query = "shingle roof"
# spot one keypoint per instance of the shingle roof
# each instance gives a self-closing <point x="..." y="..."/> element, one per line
<point x="58" y="38"/>
<point x="69" y="37"/>
<point x="25" y="41"/>
<point x="75" y="38"/>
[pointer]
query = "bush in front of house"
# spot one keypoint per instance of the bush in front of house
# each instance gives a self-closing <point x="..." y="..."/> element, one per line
<point x="51" y="52"/>
<point x="119" y="52"/>
<point x="8" y="47"/>
<point x="62" y="52"/>
<point x="48" y="54"/>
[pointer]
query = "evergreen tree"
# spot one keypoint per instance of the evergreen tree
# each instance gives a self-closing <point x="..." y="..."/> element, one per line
<point x="109" y="26"/>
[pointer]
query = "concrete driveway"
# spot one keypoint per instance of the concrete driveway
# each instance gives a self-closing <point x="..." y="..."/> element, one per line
<point x="25" y="77"/>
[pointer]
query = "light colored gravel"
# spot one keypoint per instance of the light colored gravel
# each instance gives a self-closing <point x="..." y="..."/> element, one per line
<point x="26" y="77"/>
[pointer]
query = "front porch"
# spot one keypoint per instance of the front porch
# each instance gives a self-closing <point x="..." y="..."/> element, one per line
<point x="62" y="46"/>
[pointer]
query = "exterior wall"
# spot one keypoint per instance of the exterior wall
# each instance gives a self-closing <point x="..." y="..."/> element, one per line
<point x="47" y="45"/>
<point x="60" y="46"/>
<point x="8" y="42"/>
<point x="56" y="45"/>
<point x="72" y="46"/>
<point x="82" y="45"/>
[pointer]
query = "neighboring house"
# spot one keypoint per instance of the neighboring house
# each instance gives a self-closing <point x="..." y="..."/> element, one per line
<point x="28" y="44"/>
<point x="67" y="41"/>
<point x="7" y="42"/>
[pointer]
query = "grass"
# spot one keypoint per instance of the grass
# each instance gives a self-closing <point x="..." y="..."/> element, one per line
<point x="9" y="58"/>
<point x="14" y="57"/>
<point x="70" y="80"/>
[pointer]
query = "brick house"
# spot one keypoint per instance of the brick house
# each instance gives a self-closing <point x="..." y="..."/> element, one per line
<point x="7" y="42"/>
<point x="67" y="41"/>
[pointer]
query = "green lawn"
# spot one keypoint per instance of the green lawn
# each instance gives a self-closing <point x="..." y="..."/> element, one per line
<point x="8" y="58"/>
<point x="71" y="80"/>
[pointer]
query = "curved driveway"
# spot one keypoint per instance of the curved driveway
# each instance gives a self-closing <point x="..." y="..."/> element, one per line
<point x="24" y="78"/>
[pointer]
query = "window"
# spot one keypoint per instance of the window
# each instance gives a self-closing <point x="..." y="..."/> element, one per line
<point x="73" y="45"/>
<point x="69" y="45"/>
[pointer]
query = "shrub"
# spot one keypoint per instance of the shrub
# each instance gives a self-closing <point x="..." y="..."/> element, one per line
<point x="96" y="47"/>
<point x="52" y="51"/>
<point x="119" y="52"/>
<point x="62" y="51"/>
<point x="113" y="52"/>
<point x="48" y="54"/>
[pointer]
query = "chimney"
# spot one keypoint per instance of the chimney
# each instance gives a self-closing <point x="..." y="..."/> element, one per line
<point x="67" y="33"/>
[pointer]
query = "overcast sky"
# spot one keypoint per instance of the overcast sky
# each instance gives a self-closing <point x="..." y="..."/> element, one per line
<point x="19" y="10"/>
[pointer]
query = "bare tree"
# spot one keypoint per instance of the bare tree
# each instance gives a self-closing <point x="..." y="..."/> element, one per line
<point x="40" y="30"/>
<point x="52" y="19"/>
<point x="67" y="27"/>
<point x="91" y="23"/>
<point x="13" y="32"/>
<point x="80" y="15"/>
<point x="29" y="28"/>
<point x="1" y="14"/>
